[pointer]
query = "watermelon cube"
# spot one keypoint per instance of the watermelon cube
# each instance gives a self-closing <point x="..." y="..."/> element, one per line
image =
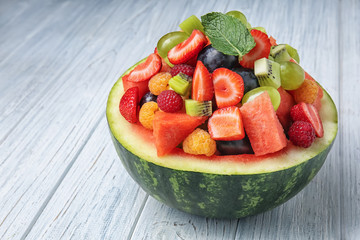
<point x="170" y="129"/>
<point x="262" y="126"/>
<point x="283" y="111"/>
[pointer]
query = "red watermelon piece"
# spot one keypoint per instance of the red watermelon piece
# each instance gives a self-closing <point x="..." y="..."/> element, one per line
<point x="262" y="126"/>
<point x="143" y="86"/>
<point x="283" y="111"/>
<point x="170" y="129"/>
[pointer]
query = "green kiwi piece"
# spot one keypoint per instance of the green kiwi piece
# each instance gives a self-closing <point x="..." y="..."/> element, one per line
<point x="267" y="72"/>
<point x="180" y="84"/>
<point x="279" y="53"/>
<point x="191" y="23"/>
<point x="198" y="108"/>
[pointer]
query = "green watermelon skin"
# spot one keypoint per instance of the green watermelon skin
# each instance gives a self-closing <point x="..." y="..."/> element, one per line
<point x="220" y="196"/>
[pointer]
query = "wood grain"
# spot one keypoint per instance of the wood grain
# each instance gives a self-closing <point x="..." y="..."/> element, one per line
<point x="60" y="177"/>
<point x="349" y="119"/>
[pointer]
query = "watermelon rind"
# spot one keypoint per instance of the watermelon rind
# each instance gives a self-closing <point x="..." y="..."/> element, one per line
<point x="220" y="186"/>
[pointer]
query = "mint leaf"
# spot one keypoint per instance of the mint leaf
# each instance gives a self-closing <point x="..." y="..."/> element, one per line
<point x="227" y="34"/>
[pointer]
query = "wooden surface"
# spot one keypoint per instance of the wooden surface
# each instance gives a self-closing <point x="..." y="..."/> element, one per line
<point x="60" y="177"/>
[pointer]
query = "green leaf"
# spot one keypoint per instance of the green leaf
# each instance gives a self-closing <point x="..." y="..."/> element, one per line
<point x="227" y="34"/>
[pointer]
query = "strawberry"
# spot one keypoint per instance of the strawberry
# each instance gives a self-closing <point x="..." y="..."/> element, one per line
<point x="129" y="105"/>
<point x="188" y="49"/>
<point x="228" y="86"/>
<point x="308" y="113"/>
<point x="261" y="49"/>
<point x="145" y="70"/>
<point x="226" y="124"/>
<point x="202" y="84"/>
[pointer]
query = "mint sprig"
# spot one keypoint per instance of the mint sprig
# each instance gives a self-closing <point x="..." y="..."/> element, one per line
<point x="227" y="34"/>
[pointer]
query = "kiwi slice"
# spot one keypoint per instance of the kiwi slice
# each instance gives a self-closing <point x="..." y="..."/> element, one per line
<point x="191" y="23"/>
<point x="180" y="84"/>
<point x="279" y="53"/>
<point x="267" y="72"/>
<point x="198" y="108"/>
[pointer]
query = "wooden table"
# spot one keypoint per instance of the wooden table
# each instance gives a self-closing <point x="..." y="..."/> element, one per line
<point x="60" y="177"/>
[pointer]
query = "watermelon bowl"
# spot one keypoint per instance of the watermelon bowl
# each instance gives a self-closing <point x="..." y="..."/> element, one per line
<point x="218" y="186"/>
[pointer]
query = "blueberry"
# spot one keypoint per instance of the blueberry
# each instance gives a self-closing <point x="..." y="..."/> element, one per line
<point x="250" y="80"/>
<point x="242" y="146"/>
<point x="148" y="97"/>
<point x="213" y="59"/>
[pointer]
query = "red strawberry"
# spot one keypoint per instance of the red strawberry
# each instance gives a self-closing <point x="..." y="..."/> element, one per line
<point x="202" y="84"/>
<point x="145" y="70"/>
<point x="307" y="113"/>
<point x="188" y="49"/>
<point x="261" y="49"/>
<point x="129" y="105"/>
<point x="182" y="68"/>
<point x="301" y="134"/>
<point x="226" y="124"/>
<point x="228" y="86"/>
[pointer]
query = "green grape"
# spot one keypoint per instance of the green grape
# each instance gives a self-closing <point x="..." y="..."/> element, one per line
<point x="191" y="23"/>
<point x="168" y="62"/>
<point x="170" y="40"/>
<point x="274" y="95"/>
<point x="292" y="75"/>
<point x="293" y="53"/>
<point x="260" y="29"/>
<point x="240" y="16"/>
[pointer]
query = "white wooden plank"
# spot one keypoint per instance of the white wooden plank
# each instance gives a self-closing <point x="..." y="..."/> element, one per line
<point x="96" y="200"/>
<point x="60" y="123"/>
<point x="21" y="20"/>
<point x="159" y="221"/>
<point x="31" y="69"/>
<point x="349" y="118"/>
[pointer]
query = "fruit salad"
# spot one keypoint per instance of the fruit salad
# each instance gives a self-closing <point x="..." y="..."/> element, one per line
<point x="221" y="87"/>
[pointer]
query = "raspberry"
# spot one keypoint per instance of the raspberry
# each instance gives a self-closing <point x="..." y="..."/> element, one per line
<point x="307" y="92"/>
<point x="147" y="113"/>
<point x="159" y="82"/>
<point x="302" y="134"/>
<point x="169" y="101"/>
<point x="199" y="142"/>
<point x="184" y="68"/>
